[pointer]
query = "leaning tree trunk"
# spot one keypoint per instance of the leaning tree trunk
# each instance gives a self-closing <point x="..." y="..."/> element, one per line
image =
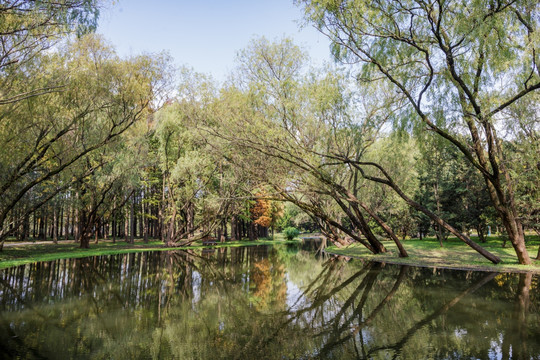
<point x="387" y="229"/>
<point x="389" y="182"/>
<point x="361" y="224"/>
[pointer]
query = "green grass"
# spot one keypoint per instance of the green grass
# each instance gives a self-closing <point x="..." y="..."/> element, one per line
<point x="455" y="254"/>
<point x="24" y="254"/>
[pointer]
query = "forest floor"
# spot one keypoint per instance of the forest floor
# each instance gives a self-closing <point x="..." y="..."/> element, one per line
<point x="453" y="255"/>
<point x="19" y="253"/>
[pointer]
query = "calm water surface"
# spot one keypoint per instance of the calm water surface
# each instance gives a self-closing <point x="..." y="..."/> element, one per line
<point x="263" y="302"/>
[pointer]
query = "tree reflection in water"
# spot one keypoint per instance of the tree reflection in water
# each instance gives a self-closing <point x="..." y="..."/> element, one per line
<point x="262" y="302"/>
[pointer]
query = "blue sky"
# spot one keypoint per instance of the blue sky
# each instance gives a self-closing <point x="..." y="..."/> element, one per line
<point x="206" y="34"/>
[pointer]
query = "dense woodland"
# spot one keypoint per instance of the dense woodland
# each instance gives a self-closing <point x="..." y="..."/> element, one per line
<point x="427" y="124"/>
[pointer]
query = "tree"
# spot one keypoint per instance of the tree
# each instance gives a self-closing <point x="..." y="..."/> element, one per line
<point x="102" y="97"/>
<point x="27" y="28"/>
<point x="451" y="188"/>
<point x="458" y="65"/>
<point x="303" y="119"/>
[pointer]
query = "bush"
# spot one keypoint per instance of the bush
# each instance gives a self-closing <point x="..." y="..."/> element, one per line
<point x="291" y="232"/>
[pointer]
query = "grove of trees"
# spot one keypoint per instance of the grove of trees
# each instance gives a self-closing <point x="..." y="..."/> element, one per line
<point x="428" y="124"/>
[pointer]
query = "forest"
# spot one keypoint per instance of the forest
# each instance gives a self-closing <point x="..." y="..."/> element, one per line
<point x="427" y="124"/>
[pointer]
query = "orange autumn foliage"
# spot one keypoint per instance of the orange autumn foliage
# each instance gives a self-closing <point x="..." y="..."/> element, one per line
<point x="261" y="212"/>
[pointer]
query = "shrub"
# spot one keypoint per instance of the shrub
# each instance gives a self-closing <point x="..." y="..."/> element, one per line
<point x="291" y="232"/>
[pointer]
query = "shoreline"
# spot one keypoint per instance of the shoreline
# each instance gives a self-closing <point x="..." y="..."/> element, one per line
<point x="501" y="268"/>
<point x="72" y="251"/>
<point x="453" y="256"/>
<point x="450" y="257"/>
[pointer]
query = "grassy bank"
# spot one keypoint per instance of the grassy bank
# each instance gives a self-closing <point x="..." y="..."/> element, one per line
<point x="454" y="254"/>
<point x="28" y="253"/>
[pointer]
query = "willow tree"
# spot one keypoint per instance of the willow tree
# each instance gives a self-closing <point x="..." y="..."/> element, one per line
<point x="282" y="121"/>
<point x="47" y="136"/>
<point x="458" y="64"/>
<point x="27" y="28"/>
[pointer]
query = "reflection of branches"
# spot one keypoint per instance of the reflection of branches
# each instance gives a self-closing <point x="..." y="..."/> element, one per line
<point x="402" y="272"/>
<point x="367" y="284"/>
<point x="399" y="344"/>
<point x="321" y="296"/>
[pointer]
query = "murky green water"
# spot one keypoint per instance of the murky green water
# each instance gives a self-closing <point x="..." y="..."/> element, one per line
<point x="263" y="303"/>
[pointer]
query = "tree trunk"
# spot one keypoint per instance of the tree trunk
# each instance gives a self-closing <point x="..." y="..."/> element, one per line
<point x="388" y="181"/>
<point x="55" y="225"/>
<point x="34" y="225"/>
<point x="387" y="229"/>
<point x="170" y="230"/>
<point x="218" y="235"/>
<point x="145" y="221"/>
<point x="114" y="229"/>
<point x="250" y="232"/>
<point x="161" y="214"/>
<point x="126" y="225"/>
<point x="76" y="228"/>
<point x="61" y="225"/>
<point x="190" y="220"/>
<point x="96" y="230"/>
<point x="480" y="232"/>
<point x="84" y="231"/>
<point x="26" y="228"/>
<point x="516" y="236"/>
<point x="233" y="227"/>
<point x="41" y="223"/>
<point x="360" y="223"/>
<point x="439" y="234"/>
<point x="132" y="221"/>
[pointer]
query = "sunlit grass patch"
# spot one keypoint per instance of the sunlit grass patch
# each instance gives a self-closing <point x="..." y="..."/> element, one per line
<point x="453" y="254"/>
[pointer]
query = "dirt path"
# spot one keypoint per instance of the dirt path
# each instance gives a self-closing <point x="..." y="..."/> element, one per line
<point x="13" y="244"/>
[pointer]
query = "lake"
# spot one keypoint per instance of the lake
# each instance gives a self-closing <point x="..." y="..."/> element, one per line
<point x="263" y="302"/>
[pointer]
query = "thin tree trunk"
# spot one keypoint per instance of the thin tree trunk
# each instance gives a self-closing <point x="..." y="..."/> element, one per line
<point x="114" y="229"/>
<point x="126" y="225"/>
<point x="61" y="224"/>
<point x="34" y="225"/>
<point x="77" y="221"/>
<point x="190" y="220"/>
<point x="55" y="225"/>
<point x="132" y="221"/>
<point x="480" y="232"/>
<point x="96" y="231"/>
<point x="145" y="220"/>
